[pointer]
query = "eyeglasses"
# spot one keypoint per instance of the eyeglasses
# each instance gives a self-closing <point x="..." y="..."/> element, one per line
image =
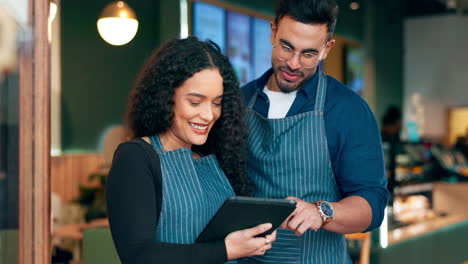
<point x="307" y="60"/>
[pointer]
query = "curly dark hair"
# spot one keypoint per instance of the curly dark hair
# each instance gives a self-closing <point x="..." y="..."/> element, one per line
<point x="150" y="108"/>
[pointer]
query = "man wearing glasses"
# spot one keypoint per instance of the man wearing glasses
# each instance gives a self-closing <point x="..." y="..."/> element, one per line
<point x="312" y="140"/>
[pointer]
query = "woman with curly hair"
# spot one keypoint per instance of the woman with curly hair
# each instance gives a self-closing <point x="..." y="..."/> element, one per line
<point x="185" y="113"/>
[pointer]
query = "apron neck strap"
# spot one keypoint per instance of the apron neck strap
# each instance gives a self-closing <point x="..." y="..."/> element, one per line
<point x="157" y="144"/>
<point x="321" y="92"/>
<point x="319" y="99"/>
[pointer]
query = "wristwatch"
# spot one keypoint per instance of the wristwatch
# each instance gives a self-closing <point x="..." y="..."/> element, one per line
<point x="326" y="211"/>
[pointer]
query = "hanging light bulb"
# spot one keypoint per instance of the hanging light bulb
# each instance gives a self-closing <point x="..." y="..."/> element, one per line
<point x="52" y="14"/>
<point x="53" y="10"/>
<point x="451" y="4"/>
<point x="117" y="24"/>
<point x="354" y="5"/>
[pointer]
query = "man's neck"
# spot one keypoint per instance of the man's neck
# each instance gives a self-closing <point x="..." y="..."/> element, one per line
<point x="271" y="84"/>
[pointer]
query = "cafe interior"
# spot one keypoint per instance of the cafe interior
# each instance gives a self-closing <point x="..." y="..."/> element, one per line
<point x="67" y="67"/>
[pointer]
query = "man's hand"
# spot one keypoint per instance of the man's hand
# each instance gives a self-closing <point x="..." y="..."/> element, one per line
<point x="306" y="216"/>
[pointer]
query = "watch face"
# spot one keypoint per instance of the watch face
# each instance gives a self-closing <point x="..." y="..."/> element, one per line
<point x="327" y="209"/>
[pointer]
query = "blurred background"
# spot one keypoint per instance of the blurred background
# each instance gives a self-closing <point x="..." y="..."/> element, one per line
<point x="66" y="69"/>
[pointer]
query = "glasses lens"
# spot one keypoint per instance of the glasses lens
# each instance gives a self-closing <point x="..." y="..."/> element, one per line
<point x="284" y="53"/>
<point x="308" y="62"/>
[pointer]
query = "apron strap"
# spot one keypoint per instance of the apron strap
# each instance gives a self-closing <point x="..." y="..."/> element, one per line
<point x="252" y="100"/>
<point x="321" y="92"/>
<point x="319" y="99"/>
<point x="157" y="144"/>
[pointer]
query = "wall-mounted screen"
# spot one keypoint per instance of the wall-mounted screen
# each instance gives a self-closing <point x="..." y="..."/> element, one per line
<point x="354" y="68"/>
<point x="238" y="45"/>
<point x="209" y="22"/>
<point x="261" y="48"/>
<point x="245" y="39"/>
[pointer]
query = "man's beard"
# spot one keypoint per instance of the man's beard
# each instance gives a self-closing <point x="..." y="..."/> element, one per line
<point x="284" y="85"/>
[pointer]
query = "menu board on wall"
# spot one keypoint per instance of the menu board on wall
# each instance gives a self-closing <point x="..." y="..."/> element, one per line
<point x="238" y="45"/>
<point x="261" y="46"/>
<point x="244" y="39"/>
<point x="354" y="68"/>
<point x="209" y="23"/>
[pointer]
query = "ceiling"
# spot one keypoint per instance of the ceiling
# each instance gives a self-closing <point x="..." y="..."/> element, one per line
<point x="429" y="7"/>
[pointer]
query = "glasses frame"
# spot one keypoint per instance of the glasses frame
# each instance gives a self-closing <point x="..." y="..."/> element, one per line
<point x="300" y="54"/>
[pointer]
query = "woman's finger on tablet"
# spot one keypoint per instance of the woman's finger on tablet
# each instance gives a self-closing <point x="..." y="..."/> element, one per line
<point x="257" y="230"/>
<point x="271" y="237"/>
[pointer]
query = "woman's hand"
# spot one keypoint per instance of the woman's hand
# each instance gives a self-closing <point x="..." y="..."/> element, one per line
<point x="243" y="243"/>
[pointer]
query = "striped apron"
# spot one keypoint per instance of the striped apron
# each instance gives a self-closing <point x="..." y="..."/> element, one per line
<point x="192" y="191"/>
<point x="289" y="157"/>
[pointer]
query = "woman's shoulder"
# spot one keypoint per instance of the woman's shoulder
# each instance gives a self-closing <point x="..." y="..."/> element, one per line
<point x="135" y="145"/>
<point x="136" y="148"/>
<point x="136" y="157"/>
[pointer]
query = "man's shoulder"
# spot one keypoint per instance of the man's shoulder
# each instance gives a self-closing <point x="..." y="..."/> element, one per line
<point x="249" y="87"/>
<point x="248" y="91"/>
<point x="341" y="96"/>
<point x="339" y="90"/>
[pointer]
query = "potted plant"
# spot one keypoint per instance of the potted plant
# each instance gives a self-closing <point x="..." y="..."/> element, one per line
<point x="93" y="197"/>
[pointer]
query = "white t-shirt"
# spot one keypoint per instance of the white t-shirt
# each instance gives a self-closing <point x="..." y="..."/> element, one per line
<point x="279" y="103"/>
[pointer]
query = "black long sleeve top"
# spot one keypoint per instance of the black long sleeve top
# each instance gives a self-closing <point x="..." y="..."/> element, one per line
<point x="134" y="195"/>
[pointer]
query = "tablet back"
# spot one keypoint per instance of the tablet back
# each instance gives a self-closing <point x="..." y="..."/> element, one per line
<point x="239" y="213"/>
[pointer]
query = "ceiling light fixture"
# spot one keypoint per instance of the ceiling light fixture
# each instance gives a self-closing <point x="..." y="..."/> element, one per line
<point x="354" y="5"/>
<point x="52" y="11"/>
<point x="117" y="23"/>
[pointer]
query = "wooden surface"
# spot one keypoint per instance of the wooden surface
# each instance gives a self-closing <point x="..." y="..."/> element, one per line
<point x="451" y="198"/>
<point x="407" y="232"/>
<point x="34" y="137"/>
<point x="26" y="242"/>
<point x="364" y="253"/>
<point x="68" y="171"/>
<point x="334" y="64"/>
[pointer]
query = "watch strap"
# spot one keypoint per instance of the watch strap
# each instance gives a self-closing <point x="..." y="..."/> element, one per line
<point x="326" y="219"/>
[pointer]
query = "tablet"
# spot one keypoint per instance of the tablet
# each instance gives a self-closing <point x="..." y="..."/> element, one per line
<point x="239" y="213"/>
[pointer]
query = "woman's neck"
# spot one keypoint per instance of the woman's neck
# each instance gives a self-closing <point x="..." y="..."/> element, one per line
<point x="170" y="142"/>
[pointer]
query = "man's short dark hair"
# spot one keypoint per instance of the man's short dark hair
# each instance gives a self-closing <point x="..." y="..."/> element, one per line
<point x="309" y="12"/>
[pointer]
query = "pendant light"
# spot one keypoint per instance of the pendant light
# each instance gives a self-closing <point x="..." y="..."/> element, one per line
<point x="53" y="11"/>
<point x="52" y="14"/>
<point x="117" y="23"/>
<point x="354" y="5"/>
